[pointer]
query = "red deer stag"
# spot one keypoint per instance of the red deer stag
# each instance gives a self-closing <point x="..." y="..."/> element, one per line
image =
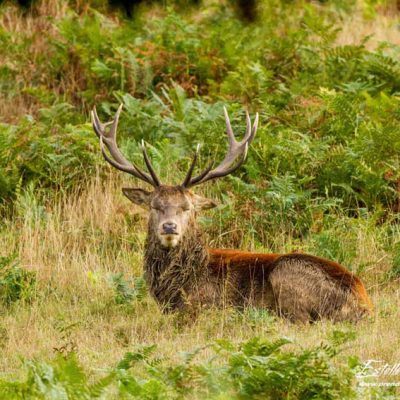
<point x="183" y="273"/>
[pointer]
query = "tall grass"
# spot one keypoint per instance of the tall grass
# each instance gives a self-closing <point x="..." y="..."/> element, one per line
<point x="322" y="177"/>
<point x="86" y="251"/>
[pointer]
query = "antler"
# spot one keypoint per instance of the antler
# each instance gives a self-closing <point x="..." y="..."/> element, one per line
<point x="109" y="140"/>
<point x="228" y="165"/>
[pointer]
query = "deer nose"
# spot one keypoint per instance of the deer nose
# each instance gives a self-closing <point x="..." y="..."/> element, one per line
<point x="169" y="227"/>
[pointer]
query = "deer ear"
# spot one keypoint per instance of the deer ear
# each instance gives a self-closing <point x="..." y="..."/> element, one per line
<point x="138" y="196"/>
<point x="202" y="203"/>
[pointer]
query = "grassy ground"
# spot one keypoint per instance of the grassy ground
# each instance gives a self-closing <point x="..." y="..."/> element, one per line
<point x="322" y="176"/>
<point x="78" y="243"/>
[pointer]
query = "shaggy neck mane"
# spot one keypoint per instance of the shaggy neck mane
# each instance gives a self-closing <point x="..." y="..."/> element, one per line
<point x="170" y="273"/>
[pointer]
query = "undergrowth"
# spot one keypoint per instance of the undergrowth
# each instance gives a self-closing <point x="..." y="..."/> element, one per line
<point x="254" y="369"/>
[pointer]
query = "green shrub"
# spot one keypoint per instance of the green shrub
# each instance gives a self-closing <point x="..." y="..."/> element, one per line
<point x="16" y="283"/>
<point x="254" y="369"/>
<point x="394" y="272"/>
<point x="329" y="114"/>
<point x="125" y="292"/>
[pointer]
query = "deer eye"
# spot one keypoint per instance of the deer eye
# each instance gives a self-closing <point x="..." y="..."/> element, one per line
<point x="181" y="210"/>
<point x="184" y="208"/>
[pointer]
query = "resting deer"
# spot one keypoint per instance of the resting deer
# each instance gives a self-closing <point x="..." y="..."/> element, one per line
<point x="182" y="272"/>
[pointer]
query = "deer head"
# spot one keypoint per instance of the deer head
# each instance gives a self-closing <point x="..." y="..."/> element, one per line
<point x="171" y="207"/>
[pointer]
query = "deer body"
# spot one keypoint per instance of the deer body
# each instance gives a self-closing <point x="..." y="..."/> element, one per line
<point x="183" y="274"/>
<point x="298" y="286"/>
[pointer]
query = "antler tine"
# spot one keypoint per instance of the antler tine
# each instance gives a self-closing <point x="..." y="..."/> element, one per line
<point x="100" y="128"/>
<point x="191" y="168"/>
<point x="108" y="139"/>
<point x="198" y="179"/>
<point x="125" y="168"/>
<point x="229" y="131"/>
<point x="248" y="126"/>
<point x="253" y="130"/>
<point x="236" y="149"/>
<point x="149" y="166"/>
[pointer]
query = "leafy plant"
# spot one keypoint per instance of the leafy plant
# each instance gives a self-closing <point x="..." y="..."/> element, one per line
<point x="253" y="369"/>
<point x="125" y="292"/>
<point x="16" y="283"/>
<point x="394" y="272"/>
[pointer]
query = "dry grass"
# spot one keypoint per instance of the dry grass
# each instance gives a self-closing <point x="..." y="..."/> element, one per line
<point x="382" y="27"/>
<point x="77" y="243"/>
<point x="37" y="27"/>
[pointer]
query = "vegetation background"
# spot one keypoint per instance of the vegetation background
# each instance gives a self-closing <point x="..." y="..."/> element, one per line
<point x="322" y="177"/>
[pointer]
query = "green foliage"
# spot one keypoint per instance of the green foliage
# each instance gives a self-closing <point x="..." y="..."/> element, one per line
<point x="48" y="152"/>
<point x="125" y="292"/>
<point x="64" y="378"/>
<point x="394" y="272"/>
<point x="261" y="369"/>
<point x="329" y="134"/>
<point x="254" y="369"/>
<point x="16" y="283"/>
